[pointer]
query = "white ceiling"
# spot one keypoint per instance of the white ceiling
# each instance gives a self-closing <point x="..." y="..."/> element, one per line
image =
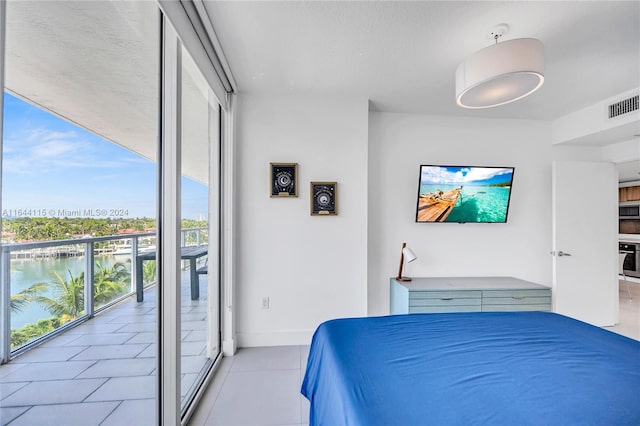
<point x="95" y="63"/>
<point x="402" y="56"/>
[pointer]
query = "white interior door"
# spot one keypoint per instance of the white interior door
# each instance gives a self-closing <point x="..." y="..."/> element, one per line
<point x="585" y="238"/>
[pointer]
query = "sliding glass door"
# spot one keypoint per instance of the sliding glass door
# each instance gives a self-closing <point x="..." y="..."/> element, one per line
<point x="189" y="271"/>
<point x="199" y="294"/>
<point x="110" y="200"/>
<point x="79" y="176"/>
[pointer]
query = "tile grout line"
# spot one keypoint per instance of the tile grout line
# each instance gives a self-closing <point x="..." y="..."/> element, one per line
<point x="294" y="369"/>
<point x="76" y="376"/>
<point x="215" y="399"/>
<point x="5" y="396"/>
<point x="95" y="390"/>
<point x="111" y="412"/>
<point x="22" y="414"/>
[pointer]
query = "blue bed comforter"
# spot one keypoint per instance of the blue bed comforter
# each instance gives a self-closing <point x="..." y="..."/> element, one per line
<point x="500" y="368"/>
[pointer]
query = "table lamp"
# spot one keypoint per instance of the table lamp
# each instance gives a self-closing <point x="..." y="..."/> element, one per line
<point x="409" y="256"/>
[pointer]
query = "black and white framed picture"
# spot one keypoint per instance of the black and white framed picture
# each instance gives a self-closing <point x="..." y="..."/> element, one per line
<point x="284" y="179"/>
<point x="324" y="198"/>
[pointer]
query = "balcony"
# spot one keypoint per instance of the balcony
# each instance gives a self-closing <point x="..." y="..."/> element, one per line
<point x="101" y="368"/>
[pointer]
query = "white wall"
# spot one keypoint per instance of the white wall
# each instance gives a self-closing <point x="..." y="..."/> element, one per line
<point x="399" y="143"/>
<point x="592" y="123"/>
<point x="317" y="268"/>
<point x="622" y="152"/>
<point x="312" y="268"/>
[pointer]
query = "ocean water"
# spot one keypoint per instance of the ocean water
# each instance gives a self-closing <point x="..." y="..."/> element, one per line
<point x="478" y="203"/>
<point x="25" y="272"/>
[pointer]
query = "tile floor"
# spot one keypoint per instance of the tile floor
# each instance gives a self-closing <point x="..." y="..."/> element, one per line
<point x="261" y="386"/>
<point x="629" y="310"/>
<point x="101" y="372"/>
<point x="257" y="386"/>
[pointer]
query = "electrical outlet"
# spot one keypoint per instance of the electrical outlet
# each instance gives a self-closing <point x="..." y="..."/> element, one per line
<point x="265" y="303"/>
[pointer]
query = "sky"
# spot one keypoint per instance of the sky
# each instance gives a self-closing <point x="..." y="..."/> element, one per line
<point x="465" y="175"/>
<point x="51" y="167"/>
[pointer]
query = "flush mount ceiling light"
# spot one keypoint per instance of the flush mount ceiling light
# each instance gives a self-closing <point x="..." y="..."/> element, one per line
<point x="501" y="73"/>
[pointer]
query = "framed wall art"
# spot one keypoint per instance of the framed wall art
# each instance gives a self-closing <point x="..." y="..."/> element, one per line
<point x="284" y="179"/>
<point x="324" y="198"/>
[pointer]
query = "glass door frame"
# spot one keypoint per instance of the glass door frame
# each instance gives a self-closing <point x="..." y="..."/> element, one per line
<point x="168" y="240"/>
<point x="169" y="226"/>
<point x="5" y="293"/>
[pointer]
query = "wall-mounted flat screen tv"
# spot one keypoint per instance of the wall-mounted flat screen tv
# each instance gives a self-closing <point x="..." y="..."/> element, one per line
<point x="464" y="194"/>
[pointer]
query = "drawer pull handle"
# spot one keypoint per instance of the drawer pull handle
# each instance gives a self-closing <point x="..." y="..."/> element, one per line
<point x="517" y="297"/>
<point x="447" y="298"/>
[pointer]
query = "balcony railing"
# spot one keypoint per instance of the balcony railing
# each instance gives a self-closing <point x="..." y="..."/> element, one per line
<point x="79" y="247"/>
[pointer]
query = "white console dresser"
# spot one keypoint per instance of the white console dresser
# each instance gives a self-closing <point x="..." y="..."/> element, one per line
<point x="467" y="294"/>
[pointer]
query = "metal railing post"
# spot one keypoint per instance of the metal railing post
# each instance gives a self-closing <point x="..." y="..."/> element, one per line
<point x="183" y="242"/>
<point x="197" y="237"/>
<point x="89" y="288"/>
<point x="134" y="264"/>
<point x="5" y="307"/>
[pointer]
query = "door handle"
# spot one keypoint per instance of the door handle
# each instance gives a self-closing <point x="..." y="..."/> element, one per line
<point x="560" y="253"/>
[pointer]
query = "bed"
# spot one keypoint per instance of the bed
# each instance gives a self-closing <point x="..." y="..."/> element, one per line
<point x="501" y="368"/>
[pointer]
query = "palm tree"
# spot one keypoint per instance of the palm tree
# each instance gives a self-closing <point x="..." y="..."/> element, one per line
<point x="67" y="302"/>
<point x="26" y="296"/>
<point x="148" y="272"/>
<point x="110" y="282"/>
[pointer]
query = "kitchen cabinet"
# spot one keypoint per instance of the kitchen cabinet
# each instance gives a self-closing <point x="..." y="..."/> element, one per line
<point x="629" y="193"/>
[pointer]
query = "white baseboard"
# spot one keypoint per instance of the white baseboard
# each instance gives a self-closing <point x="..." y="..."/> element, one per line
<point x="274" y="338"/>
<point x="229" y="347"/>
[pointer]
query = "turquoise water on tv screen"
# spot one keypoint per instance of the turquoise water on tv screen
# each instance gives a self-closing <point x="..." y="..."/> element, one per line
<point x="479" y="203"/>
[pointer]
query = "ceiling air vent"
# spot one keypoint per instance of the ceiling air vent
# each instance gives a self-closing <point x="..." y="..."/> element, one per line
<point x="623" y="107"/>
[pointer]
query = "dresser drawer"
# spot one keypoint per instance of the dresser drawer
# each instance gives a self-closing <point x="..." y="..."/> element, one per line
<point x="517" y="293"/>
<point x="519" y="307"/>
<point x="516" y="300"/>
<point x="443" y="309"/>
<point x="466" y="294"/>
<point x="445" y="301"/>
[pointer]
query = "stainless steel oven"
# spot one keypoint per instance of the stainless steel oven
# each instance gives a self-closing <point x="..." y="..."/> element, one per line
<point x="631" y="265"/>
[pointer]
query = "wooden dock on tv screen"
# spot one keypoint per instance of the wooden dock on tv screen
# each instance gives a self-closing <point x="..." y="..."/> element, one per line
<point x="436" y="206"/>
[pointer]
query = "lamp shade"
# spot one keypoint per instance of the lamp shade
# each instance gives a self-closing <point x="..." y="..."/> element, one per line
<point x="501" y="73"/>
<point x="405" y="255"/>
<point x="409" y="256"/>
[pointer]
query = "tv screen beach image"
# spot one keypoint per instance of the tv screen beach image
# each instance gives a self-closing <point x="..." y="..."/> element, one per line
<point x="464" y="194"/>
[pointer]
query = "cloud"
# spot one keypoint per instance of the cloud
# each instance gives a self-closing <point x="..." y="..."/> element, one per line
<point x="47" y="135"/>
<point x="55" y="148"/>
<point x="50" y="162"/>
<point x="481" y="173"/>
<point x="460" y="175"/>
<point x="137" y="160"/>
<point x="34" y="151"/>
